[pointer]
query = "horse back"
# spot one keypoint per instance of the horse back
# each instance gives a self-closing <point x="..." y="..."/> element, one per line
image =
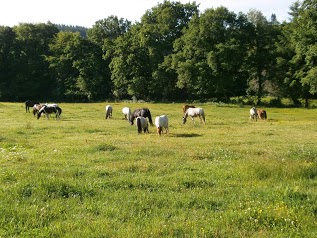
<point x="142" y="124"/>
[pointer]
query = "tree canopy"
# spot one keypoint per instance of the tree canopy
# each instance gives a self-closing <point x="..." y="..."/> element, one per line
<point x="174" y="53"/>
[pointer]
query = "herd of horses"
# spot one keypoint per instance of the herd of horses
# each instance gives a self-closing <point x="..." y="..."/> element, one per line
<point x="46" y="109"/>
<point x="142" y="116"/>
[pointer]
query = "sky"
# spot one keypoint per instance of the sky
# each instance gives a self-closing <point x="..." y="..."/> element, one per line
<point x="86" y="13"/>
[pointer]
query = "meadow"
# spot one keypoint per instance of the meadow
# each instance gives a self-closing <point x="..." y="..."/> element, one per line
<point x="85" y="176"/>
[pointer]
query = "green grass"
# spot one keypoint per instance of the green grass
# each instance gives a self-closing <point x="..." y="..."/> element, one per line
<point x="84" y="176"/>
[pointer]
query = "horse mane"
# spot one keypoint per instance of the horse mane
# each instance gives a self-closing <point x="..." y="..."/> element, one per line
<point x="185" y="107"/>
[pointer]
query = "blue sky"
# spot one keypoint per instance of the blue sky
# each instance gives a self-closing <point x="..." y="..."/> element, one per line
<point x="86" y="13"/>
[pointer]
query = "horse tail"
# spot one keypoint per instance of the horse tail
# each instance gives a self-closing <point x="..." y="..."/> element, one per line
<point x="265" y="116"/>
<point x="131" y="119"/>
<point x="203" y="115"/>
<point x="150" y="118"/>
<point x="139" y="124"/>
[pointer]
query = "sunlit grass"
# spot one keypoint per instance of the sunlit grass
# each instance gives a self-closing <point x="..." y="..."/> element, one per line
<point x="84" y="176"/>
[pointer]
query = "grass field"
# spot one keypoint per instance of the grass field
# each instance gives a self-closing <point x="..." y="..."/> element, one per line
<point x="84" y="176"/>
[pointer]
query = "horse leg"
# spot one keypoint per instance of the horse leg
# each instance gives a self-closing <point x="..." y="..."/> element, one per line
<point x="193" y="119"/>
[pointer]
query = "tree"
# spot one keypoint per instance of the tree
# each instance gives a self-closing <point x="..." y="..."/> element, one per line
<point x="296" y="48"/>
<point x="31" y="79"/>
<point x="207" y="58"/>
<point x="261" y="53"/>
<point x="303" y="39"/>
<point x="138" y="55"/>
<point x="7" y="71"/>
<point x="78" y="68"/>
<point x="108" y="29"/>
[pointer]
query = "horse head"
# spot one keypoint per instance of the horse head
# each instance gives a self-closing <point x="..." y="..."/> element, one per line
<point x="184" y="119"/>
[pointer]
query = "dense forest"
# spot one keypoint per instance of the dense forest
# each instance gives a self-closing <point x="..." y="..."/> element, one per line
<point x="175" y="53"/>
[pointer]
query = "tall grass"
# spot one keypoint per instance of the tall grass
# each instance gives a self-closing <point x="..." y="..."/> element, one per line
<point x="85" y="176"/>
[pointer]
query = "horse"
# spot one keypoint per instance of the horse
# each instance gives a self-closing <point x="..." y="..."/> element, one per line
<point x="51" y="104"/>
<point x="142" y="124"/>
<point x="29" y="104"/>
<point x="160" y="123"/>
<point x="195" y="112"/>
<point x="108" y="111"/>
<point x="262" y="114"/>
<point x="126" y="112"/>
<point x="49" y="110"/>
<point x="185" y="107"/>
<point x="253" y="114"/>
<point x="143" y="112"/>
<point x="36" y="108"/>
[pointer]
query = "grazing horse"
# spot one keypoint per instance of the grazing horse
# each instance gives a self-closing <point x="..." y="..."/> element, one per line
<point x="262" y="114"/>
<point x="126" y="112"/>
<point x="160" y="123"/>
<point x="29" y="104"/>
<point x="143" y="112"/>
<point x="36" y="108"/>
<point x="49" y="110"/>
<point x="108" y="111"/>
<point x="253" y="114"/>
<point x="142" y="124"/>
<point x="194" y="112"/>
<point x="185" y="107"/>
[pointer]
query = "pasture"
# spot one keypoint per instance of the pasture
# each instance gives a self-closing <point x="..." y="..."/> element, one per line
<point x="85" y="176"/>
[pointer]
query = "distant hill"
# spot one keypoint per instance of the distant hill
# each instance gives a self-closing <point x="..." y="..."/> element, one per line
<point x="82" y="30"/>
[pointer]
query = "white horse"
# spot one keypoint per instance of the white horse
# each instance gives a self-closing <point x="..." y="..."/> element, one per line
<point x="160" y="123"/>
<point x="51" y="104"/>
<point x="253" y="114"/>
<point x="195" y="112"/>
<point x="142" y="124"/>
<point x="127" y="113"/>
<point x="108" y="111"/>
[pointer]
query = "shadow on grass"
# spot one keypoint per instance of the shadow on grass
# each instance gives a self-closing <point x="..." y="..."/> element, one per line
<point x="185" y="135"/>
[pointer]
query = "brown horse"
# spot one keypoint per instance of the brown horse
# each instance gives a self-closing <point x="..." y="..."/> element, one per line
<point x="29" y="104"/>
<point x="185" y="107"/>
<point x="262" y="114"/>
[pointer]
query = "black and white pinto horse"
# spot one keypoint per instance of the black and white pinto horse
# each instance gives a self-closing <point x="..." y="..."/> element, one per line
<point x="160" y="123"/>
<point x="143" y="112"/>
<point x="48" y="109"/>
<point x="253" y="114"/>
<point x="108" y="111"/>
<point x="195" y="112"/>
<point x="29" y="104"/>
<point x="142" y="125"/>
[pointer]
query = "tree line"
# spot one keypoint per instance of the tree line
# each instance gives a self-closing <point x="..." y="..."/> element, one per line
<point x="175" y="53"/>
